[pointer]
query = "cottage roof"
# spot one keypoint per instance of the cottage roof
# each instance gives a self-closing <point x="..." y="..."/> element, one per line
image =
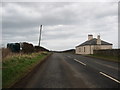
<point x="94" y="42"/>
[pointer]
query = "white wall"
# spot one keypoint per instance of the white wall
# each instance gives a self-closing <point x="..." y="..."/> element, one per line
<point x="88" y="49"/>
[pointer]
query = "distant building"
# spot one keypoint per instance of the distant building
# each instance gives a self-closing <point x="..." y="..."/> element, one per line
<point x="92" y="44"/>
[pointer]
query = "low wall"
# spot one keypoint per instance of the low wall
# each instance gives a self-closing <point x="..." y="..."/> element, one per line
<point x="112" y="52"/>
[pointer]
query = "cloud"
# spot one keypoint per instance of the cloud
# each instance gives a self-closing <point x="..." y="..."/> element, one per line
<point x="65" y="24"/>
<point x="61" y="0"/>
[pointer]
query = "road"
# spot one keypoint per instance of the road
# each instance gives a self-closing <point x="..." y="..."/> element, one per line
<point x="62" y="70"/>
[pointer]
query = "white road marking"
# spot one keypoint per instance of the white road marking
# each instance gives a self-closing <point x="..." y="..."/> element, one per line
<point x="110" y="77"/>
<point x="80" y="62"/>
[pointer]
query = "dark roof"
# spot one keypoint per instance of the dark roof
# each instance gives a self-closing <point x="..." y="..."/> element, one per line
<point x="94" y="42"/>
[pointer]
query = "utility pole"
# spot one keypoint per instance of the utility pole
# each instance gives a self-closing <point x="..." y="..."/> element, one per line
<point x="40" y="35"/>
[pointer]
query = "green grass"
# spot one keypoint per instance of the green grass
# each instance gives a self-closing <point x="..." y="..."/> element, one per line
<point x="106" y="57"/>
<point x="14" y="68"/>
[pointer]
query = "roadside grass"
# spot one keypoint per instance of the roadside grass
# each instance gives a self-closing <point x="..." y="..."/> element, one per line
<point x="106" y="57"/>
<point x="16" y="67"/>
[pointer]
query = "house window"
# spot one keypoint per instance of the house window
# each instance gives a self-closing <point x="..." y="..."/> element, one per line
<point x="84" y="49"/>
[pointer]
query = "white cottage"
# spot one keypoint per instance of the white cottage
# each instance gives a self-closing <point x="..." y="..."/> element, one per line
<point x="92" y="44"/>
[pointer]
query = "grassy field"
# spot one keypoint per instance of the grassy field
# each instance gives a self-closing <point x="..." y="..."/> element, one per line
<point x="105" y="57"/>
<point x="16" y="67"/>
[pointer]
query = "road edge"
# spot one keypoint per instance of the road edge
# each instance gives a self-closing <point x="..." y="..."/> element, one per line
<point x="101" y="59"/>
<point x="18" y="83"/>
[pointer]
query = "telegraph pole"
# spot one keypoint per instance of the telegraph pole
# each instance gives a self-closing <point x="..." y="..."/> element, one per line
<point x="40" y="35"/>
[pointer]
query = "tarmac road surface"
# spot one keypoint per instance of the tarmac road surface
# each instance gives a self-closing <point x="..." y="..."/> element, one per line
<point x="63" y="70"/>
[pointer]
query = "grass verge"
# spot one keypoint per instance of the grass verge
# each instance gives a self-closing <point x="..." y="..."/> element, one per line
<point x="105" y="57"/>
<point x="16" y="67"/>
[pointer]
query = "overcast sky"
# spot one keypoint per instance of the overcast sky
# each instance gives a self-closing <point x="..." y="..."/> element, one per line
<point x="65" y="24"/>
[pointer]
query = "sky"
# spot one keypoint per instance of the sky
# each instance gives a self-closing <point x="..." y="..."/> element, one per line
<point x="65" y="24"/>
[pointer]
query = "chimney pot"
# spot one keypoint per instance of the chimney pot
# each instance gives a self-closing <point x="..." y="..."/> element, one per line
<point x="98" y="40"/>
<point x="90" y="36"/>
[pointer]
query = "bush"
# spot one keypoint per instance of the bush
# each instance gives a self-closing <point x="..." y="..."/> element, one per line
<point x="27" y="48"/>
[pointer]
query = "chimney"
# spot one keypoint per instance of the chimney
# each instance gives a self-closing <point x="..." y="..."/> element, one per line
<point x="90" y="36"/>
<point x="98" y="40"/>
